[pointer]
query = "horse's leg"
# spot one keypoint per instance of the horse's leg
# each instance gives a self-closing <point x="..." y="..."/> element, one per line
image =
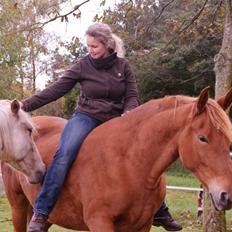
<point x="100" y="223"/>
<point x="20" y="213"/>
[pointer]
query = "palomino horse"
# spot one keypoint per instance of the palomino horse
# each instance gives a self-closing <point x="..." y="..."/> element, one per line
<point x="117" y="182"/>
<point x="16" y="144"/>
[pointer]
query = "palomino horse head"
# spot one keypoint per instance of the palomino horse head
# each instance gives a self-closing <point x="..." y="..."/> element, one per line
<point x="204" y="147"/>
<point x="16" y="144"/>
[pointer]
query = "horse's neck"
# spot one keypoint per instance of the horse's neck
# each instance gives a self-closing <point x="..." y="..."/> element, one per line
<point x="160" y="134"/>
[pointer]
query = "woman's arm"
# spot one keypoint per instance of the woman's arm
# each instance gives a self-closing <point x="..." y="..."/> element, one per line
<point x="54" y="91"/>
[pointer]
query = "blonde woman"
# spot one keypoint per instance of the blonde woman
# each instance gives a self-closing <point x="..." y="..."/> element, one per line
<point x="108" y="90"/>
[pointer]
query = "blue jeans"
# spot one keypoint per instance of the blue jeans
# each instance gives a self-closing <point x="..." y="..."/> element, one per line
<point x="75" y="131"/>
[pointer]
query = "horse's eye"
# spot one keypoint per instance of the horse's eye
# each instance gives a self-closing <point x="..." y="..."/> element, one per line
<point x="203" y="139"/>
<point x="29" y="130"/>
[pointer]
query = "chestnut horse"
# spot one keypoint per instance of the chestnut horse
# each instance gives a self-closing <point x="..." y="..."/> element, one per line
<point x="117" y="182"/>
<point x="16" y="144"/>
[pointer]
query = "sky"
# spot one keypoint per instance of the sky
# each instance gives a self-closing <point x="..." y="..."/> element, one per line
<point x="75" y="27"/>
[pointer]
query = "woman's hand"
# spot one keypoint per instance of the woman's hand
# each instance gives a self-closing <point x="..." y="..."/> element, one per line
<point x="124" y="113"/>
<point x="21" y="105"/>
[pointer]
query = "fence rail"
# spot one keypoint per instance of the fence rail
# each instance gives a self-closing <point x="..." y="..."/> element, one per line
<point x="184" y="188"/>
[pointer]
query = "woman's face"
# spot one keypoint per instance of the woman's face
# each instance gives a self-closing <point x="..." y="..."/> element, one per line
<point x="96" y="49"/>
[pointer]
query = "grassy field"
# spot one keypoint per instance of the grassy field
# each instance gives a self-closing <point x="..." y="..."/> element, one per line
<point x="182" y="204"/>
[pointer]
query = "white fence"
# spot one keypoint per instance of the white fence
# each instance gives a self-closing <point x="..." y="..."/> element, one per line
<point x="184" y="188"/>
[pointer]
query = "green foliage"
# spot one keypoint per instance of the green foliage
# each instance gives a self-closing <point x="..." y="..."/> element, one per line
<point x="55" y="108"/>
<point x="70" y="101"/>
<point x="21" y="44"/>
<point x="178" y="169"/>
<point x="11" y="50"/>
<point x="182" y="69"/>
<point x="168" y="60"/>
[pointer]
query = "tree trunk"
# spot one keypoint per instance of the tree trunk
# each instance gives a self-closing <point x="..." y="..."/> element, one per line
<point x="33" y="65"/>
<point x="21" y="76"/>
<point x="214" y="221"/>
<point x="223" y="66"/>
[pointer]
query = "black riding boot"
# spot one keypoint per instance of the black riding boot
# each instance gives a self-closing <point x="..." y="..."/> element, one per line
<point x="164" y="218"/>
<point x="38" y="223"/>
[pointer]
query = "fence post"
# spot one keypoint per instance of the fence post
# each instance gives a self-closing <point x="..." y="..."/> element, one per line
<point x="213" y="221"/>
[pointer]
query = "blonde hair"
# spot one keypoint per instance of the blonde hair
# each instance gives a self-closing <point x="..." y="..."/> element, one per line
<point x="104" y="34"/>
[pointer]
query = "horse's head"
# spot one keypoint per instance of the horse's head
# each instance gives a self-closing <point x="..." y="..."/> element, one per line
<point x="204" y="147"/>
<point x="16" y="144"/>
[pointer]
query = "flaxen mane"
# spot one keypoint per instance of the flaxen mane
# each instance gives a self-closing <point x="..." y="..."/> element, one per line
<point x="4" y="125"/>
<point x="6" y="120"/>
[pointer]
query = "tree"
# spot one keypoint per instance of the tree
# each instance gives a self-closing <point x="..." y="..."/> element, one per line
<point x="173" y="47"/>
<point x="215" y="220"/>
<point x="223" y="67"/>
<point x="23" y="42"/>
<point x="11" y="54"/>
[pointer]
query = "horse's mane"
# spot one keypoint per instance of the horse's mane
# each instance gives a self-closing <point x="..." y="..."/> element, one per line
<point x="6" y="121"/>
<point x="216" y="114"/>
<point x="160" y="105"/>
<point x="219" y="118"/>
<point x="4" y="125"/>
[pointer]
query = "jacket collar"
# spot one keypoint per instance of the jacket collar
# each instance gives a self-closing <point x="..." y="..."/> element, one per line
<point x="103" y="63"/>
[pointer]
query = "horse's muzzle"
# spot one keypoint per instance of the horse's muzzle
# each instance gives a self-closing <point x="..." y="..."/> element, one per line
<point x="37" y="176"/>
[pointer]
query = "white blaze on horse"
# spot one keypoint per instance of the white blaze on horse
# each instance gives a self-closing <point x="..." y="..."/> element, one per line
<point x="17" y="147"/>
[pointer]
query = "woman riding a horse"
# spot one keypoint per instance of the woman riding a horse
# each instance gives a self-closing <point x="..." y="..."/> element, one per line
<point x="108" y="90"/>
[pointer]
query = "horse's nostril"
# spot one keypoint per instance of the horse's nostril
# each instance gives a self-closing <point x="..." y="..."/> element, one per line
<point x="224" y="197"/>
<point x="225" y="200"/>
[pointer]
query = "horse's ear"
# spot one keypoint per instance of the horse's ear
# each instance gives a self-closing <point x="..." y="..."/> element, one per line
<point x="226" y="100"/>
<point x="15" y="106"/>
<point x="202" y="100"/>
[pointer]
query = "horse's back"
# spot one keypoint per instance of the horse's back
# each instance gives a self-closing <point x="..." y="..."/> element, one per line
<point x="46" y="137"/>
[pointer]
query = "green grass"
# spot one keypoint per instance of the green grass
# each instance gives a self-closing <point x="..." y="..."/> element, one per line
<point x="186" y="181"/>
<point x="182" y="204"/>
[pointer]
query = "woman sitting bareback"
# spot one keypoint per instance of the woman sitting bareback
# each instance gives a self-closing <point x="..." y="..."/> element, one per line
<point x="108" y="90"/>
